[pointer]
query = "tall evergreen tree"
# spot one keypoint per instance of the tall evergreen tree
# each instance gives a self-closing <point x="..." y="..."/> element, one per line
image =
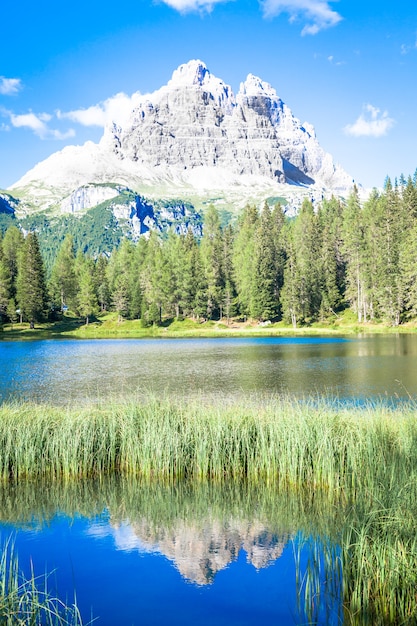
<point x="301" y="297"/>
<point x="102" y="283"/>
<point x="385" y="221"/>
<point x="154" y="285"/>
<point x="244" y="259"/>
<point x="31" y="286"/>
<point x="120" y="277"/>
<point x="193" y="300"/>
<point x="354" y="251"/>
<point x="264" y="304"/>
<point x="87" y="302"/>
<point x="12" y="244"/>
<point x="332" y="267"/>
<point x="408" y="269"/>
<point x="5" y="284"/>
<point x="229" y="291"/>
<point x="63" y="281"/>
<point x="290" y="300"/>
<point x="211" y="256"/>
<point x="174" y="254"/>
<point x="136" y="282"/>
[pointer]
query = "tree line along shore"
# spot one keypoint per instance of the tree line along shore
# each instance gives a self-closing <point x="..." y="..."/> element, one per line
<point x="339" y="258"/>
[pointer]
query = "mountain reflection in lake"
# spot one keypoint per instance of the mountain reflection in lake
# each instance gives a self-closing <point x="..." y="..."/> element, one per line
<point x="198" y="551"/>
<point x="154" y="554"/>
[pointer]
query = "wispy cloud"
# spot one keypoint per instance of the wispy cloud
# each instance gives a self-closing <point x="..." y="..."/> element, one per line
<point x="371" y="123"/>
<point x="38" y="124"/>
<point x="10" y="86"/>
<point x="115" y="109"/>
<point x="406" y="48"/>
<point x="185" y="6"/>
<point x="317" y="13"/>
<point x="333" y="61"/>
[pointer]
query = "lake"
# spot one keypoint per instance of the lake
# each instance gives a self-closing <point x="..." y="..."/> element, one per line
<point x="67" y="370"/>
<point x="181" y="555"/>
<point x="156" y="555"/>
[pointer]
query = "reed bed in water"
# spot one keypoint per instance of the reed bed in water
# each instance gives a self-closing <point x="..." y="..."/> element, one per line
<point x="297" y="444"/>
<point x="362" y="460"/>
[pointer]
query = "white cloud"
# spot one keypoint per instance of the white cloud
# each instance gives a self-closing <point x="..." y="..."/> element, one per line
<point x="4" y="127"/>
<point x="10" y="86"/>
<point x="318" y="13"/>
<point x="371" y="123"/>
<point x="38" y="123"/>
<point x="192" y="5"/>
<point x="115" y="109"/>
<point x="184" y="6"/>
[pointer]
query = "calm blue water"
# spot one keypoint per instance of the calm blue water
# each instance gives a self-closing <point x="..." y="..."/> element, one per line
<point x="362" y="368"/>
<point x="136" y="571"/>
<point x="122" y="576"/>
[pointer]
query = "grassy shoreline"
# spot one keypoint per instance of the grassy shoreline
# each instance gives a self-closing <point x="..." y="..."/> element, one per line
<point x="298" y="443"/>
<point x="107" y="326"/>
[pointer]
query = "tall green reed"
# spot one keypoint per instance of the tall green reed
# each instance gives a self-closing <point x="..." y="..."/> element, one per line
<point x="296" y="444"/>
<point x="27" y="601"/>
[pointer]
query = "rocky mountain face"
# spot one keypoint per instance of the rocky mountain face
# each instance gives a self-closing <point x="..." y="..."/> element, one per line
<point x="192" y="139"/>
<point x="196" y="121"/>
<point x="135" y="215"/>
<point x="8" y="204"/>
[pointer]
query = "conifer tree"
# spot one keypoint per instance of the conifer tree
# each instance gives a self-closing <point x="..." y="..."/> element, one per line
<point x="244" y="259"/>
<point x="211" y="256"/>
<point x="408" y="269"/>
<point x="153" y="281"/>
<point x="192" y="281"/>
<point x="290" y="299"/>
<point x="87" y="298"/>
<point x="102" y="283"/>
<point x="5" y="284"/>
<point x="136" y="283"/>
<point x="63" y="281"/>
<point x="264" y="304"/>
<point x="301" y="296"/>
<point x="409" y="200"/>
<point x="174" y="254"/>
<point x="228" y="305"/>
<point x="332" y="267"/>
<point x="385" y="222"/>
<point x="12" y="244"/>
<point x="120" y="277"/>
<point x="354" y="252"/>
<point x="30" y="284"/>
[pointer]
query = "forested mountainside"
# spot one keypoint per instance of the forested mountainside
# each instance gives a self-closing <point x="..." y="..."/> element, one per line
<point x="268" y="266"/>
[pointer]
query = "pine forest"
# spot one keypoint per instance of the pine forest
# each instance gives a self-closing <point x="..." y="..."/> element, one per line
<point x="339" y="255"/>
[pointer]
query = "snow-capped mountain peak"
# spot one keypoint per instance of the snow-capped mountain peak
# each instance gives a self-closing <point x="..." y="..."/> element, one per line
<point x="195" y="137"/>
<point x="195" y="72"/>
<point x="254" y="86"/>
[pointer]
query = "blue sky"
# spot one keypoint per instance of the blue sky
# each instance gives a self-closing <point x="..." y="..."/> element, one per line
<point x="348" y="67"/>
